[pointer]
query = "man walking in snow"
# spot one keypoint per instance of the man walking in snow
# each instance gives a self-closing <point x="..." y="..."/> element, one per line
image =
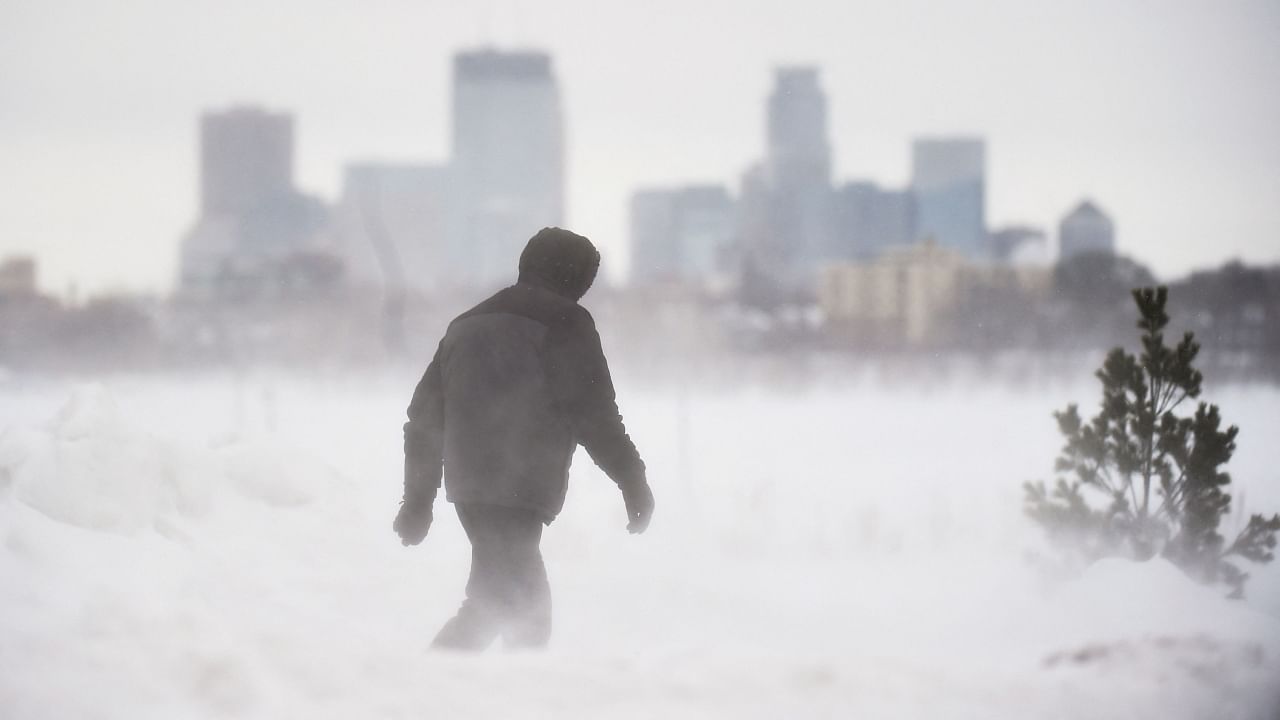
<point x="516" y="384"/>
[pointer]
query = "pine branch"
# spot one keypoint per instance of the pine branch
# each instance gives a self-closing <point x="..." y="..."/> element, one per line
<point x="1177" y="486"/>
<point x="1257" y="541"/>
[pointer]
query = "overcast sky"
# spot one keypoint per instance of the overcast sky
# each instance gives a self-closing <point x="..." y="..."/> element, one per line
<point x="1166" y="112"/>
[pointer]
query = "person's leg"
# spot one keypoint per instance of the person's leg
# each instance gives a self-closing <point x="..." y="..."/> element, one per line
<point x="479" y="620"/>
<point x="528" y="594"/>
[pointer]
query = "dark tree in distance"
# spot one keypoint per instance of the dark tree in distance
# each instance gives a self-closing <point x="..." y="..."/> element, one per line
<point x="989" y="317"/>
<point x="1092" y="289"/>
<point x="1097" y="281"/>
<point x="1237" y="307"/>
<point x="1160" y="475"/>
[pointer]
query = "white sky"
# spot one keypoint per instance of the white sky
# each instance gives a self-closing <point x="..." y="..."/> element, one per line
<point x="1166" y="112"/>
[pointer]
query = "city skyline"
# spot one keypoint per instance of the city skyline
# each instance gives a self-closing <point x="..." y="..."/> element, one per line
<point x="507" y="159"/>
<point x="99" y="157"/>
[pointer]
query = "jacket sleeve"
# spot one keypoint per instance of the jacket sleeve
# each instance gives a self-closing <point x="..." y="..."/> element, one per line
<point x="579" y="377"/>
<point x="424" y="437"/>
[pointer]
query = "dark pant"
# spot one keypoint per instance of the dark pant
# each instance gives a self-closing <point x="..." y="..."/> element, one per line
<point x="507" y="593"/>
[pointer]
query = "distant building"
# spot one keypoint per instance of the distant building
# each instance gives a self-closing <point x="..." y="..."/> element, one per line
<point x="1086" y="229"/>
<point x="508" y="160"/>
<point x="18" y="278"/>
<point x="787" y="226"/>
<point x="948" y="178"/>
<point x="894" y="299"/>
<point x="758" y="250"/>
<point x="903" y="297"/>
<point x="867" y="219"/>
<point x="252" y="219"/>
<point x="392" y="223"/>
<point x="246" y="160"/>
<point x="681" y="235"/>
<point x="798" y="152"/>
<point x="655" y="245"/>
<point x="1020" y="245"/>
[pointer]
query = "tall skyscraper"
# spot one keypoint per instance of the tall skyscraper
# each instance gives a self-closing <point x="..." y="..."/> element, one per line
<point x="948" y="178"/>
<point x="1085" y="229"/>
<point x="246" y="159"/>
<point x="790" y="233"/>
<point x="507" y="160"/>
<point x="252" y="218"/>
<point x="799" y="154"/>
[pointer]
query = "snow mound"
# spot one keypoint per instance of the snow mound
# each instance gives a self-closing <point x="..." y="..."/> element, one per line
<point x="1154" y="597"/>
<point x="1150" y="621"/>
<point x="91" y="467"/>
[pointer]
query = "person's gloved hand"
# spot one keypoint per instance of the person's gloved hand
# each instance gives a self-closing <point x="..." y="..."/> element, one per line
<point x="639" y="501"/>
<point x="412" y="522"/>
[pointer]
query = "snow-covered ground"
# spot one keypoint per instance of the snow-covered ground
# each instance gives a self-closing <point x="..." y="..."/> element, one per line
<point x="218" y="547"/>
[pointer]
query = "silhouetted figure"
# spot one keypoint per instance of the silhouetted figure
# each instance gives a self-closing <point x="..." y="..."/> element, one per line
<point x="517" y="382"/>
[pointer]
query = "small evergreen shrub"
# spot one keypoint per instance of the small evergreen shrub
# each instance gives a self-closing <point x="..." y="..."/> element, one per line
<point x="1139" y="480"/>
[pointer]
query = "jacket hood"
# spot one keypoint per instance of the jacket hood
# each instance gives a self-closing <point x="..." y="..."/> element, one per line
<point x="561" y="261"/>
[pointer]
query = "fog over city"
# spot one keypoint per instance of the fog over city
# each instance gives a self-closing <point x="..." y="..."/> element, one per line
<point x="596" y="360"/>
<point x="1163" y="111"/>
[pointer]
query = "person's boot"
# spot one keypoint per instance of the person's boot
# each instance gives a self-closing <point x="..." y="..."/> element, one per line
<point x="473" y="629"/>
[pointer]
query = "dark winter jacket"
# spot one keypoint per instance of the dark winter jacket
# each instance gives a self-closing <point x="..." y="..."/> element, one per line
<point x="517" y="382"/>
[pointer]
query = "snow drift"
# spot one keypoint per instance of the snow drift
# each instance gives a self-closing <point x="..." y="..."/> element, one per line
<point x="91" y="468"/>
<point x="164" y="557"/>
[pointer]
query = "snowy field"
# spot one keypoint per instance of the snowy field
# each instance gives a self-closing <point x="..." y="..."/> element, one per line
<point x="218" y="547"/>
